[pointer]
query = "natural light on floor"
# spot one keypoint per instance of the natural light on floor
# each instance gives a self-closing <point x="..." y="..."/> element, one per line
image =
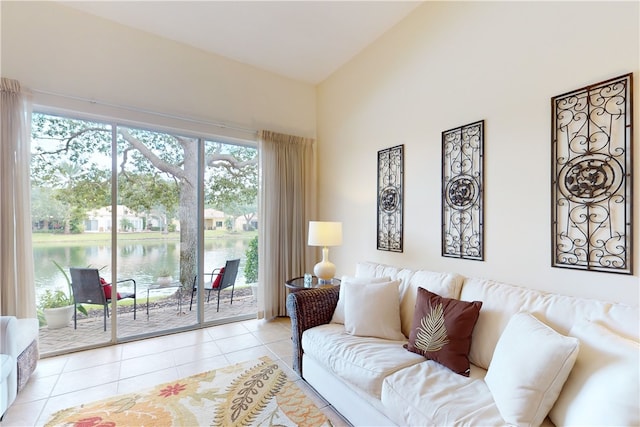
<point x="70" y="380"/>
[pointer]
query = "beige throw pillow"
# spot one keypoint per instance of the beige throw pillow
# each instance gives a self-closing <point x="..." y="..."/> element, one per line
<point x="530" y="364"/>
<point x="373" y="310"/>
<point x="338" y="314"/>
<point x="604" y="386"/>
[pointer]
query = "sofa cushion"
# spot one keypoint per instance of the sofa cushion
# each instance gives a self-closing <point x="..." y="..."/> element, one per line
<point x="361" y="361"/>
<point x="338" y="314"/>
<point x="529" y="367"/>
<point x="373" y="310"/>
<point x="603" y="388"/>
<point x="429" y="394"/>
<point x="442" y="329"/>
<point x="500" y="301"/>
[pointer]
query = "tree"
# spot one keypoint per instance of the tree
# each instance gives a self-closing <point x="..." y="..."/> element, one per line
<point x="46" y="208"/>
<point x="235" y="191"/>
<point x="251" y="266"/>
<point x="151" y="195"/>
<point x="78" y="190"/>
<point x="126" y="225"/>
<point x="154" y="168"/>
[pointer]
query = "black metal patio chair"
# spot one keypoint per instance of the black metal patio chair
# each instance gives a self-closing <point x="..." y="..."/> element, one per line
<point x="87" y="288"/>
<point x="219" y="279"/>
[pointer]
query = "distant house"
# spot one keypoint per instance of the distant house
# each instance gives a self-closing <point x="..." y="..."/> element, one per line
<point x="99" y="220"/>
<point x="213" y="219"/>
<point x="216" y="220"/>
<point x="241" y="223"/>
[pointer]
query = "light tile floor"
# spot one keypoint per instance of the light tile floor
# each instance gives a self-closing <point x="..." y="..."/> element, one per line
<point x="69" y="380"/>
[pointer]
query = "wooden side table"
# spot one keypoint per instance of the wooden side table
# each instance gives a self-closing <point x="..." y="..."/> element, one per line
<point x="297" y="284"/>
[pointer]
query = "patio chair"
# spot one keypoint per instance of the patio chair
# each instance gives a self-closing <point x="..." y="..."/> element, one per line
<point x="219" y="279"/>
<point x="87" y="288"/>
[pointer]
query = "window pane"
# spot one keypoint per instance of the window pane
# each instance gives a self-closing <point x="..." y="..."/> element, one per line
<point x="230" y="222"/>
<point x="157" y="225"/>
<point x="70" y="170"/>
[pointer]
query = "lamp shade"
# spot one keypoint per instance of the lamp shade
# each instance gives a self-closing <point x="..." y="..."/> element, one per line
<point x="325" y="233"/>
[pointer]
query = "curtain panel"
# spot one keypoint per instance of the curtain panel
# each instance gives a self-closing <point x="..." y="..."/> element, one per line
<point x="287" y="203"/>
<point x="17" y="288"/>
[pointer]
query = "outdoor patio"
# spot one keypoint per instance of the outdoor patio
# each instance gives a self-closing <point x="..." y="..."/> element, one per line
<point x="164" y="314"/>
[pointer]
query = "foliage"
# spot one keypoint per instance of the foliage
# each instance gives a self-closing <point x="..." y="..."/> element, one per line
<point x="80" y="307"/>
<point x="147" y="192"/>
<point x="76" y="220"/>
<point x="126" y="224"/>
<point x="54" y="299"/>
<point x="46" y="208"/>
<point x="251" y="266"/>
<point x="235" y="190"/>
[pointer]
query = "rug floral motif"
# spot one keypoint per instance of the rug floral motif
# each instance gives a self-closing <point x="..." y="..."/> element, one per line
<point x="252" y="393"/>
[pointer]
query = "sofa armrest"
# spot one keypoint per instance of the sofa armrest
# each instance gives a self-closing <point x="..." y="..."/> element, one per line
<point x="309" y="308"/>
<point x="9" y="336"/>
<point x="9" y="348"/>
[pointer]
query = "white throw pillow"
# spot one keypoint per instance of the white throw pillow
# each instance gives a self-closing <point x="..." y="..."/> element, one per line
<point x="373" y="310"/>
<point x="530" y="364"/>
<point x="604" y="385"/>
<point x="338" y="313"/>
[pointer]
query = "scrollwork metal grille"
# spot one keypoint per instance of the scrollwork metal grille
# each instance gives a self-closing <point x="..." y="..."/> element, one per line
<point x="390" y="198"/>
<point x="462" y="192"/>
<point x="591" y="177"/>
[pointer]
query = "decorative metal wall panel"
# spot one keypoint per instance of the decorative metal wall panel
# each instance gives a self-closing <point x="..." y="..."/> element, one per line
<point x="462" y="192"/>
<point x="591" y="177"/>
<point x="390" y="198"/>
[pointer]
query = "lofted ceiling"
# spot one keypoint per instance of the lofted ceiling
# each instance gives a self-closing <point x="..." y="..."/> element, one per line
<point x="302" y="40"/>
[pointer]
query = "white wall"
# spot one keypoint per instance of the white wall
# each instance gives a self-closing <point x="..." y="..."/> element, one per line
<point x="453" y="63"/>
<point x="53" y="48"/>
<point x="447" y="64"/>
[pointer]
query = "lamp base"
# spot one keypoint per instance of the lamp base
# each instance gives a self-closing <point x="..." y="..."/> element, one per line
<point x="324" y="271"/>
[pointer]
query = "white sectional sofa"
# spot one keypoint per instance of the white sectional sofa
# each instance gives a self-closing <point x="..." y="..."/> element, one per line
<point x="8" y="362"/>
<point x="534" y="357"/>
<point x="18" y="356"/>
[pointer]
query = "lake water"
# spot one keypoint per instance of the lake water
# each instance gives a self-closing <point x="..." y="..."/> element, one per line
<point x="141" y="260"/>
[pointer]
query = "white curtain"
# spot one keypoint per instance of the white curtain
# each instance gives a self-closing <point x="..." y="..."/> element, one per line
<point x="287" y="203"/>
<point x="17" y="289"/>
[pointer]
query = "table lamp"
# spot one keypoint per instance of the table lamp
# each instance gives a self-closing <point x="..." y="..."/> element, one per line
<point x="325" y="234"/>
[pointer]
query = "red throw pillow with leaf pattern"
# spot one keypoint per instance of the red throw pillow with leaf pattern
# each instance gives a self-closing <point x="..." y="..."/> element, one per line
<point x="441" y="330"/>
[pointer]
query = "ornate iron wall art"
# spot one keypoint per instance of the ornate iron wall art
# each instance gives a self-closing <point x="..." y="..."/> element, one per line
<point x="462" y="192"/>
<point x="390" y="198"/>
<point x="591" y="177"/>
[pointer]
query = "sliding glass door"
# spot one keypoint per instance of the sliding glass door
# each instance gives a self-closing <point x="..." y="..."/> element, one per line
<point x="230" y="230"/>
<point x="158" y="180"/>
<point x="70" y="202"/>
<point x="142" y="207"/>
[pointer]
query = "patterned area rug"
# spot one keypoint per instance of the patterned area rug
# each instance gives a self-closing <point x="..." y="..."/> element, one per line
<point x="252" y="393"/>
